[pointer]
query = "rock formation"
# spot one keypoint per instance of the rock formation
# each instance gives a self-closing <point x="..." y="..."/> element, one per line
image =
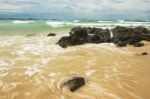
<point x="121" y="36"/>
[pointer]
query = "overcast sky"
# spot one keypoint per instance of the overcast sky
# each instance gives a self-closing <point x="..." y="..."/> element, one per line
<point x="76" y="9"/>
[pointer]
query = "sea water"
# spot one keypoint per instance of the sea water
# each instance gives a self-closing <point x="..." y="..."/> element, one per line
<point x="23" y="27"/>
<point x="35" y="67"/>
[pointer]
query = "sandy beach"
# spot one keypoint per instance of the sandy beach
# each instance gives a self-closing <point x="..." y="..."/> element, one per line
<point x="35" y="67"/>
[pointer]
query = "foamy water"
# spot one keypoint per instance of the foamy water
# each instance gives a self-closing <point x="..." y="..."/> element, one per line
<point x="35" y="68"/>
<point x="22" y="22"/>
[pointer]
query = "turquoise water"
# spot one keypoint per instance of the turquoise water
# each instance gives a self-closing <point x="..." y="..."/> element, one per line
<point x="23" y="27"/>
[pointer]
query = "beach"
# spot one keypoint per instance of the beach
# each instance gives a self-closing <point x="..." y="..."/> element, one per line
<point x="34" y="67"/>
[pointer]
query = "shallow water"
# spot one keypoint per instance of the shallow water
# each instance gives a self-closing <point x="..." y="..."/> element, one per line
<point x="35" y="67"/>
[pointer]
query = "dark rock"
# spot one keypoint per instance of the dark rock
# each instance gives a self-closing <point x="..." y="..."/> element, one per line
<point x="138" y="44"/>
<point x="121" y="44"/>
<point x="121" y="36"/>
<point x="100" y="36"/>
<point x="64" y="42"/>
<point x="123" y="33"/>
<point x="75" y="83"/>
<point x="133" y="41"/>
<point x="51" y="34"/>
<point x="144" y="53"/>
<point x="78" y="36"/>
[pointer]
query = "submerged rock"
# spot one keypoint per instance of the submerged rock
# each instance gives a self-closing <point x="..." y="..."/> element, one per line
<point x="75" y="83"/>
<point x="121" y="44"/>
<point x="51" y="34"/>
<point x="29" y="35"/>
<point x="138" y="44"/>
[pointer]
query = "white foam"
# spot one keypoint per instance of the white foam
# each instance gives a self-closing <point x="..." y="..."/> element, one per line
<point x="53" y="74"/>
<point x="3" y="74"/>
<point x="35" y="49"/>
<point x="55" y="23"/>
<point x="111" y="34"/>
<point x="6" y="62"/>
<point x="89" y="72"/>
<point x="20" y="54"/>
<point x="6" y="43"/>
<point x="106" y="46"/>
<point x="31" y="70"/>
<point x="76" y="21"/>
<point x="1" y="83"/>
<point x="22" y="22"/>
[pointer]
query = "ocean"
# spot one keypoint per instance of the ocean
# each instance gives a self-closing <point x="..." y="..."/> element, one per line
<point x="23" y="27"/>
<point x="35" y="67"/>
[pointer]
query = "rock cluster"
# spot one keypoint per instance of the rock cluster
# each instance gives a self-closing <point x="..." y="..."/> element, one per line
<point x="121" y="36"/>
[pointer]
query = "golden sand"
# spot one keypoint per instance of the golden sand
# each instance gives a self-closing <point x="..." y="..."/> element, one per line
<point x="35" y="67"/>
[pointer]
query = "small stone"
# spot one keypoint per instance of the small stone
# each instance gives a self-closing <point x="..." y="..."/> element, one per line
<point x="144" y="53"/>
<point x="51" y="34"/>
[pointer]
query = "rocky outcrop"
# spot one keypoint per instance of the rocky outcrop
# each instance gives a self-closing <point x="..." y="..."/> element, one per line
<point x="131" y="36"/>
<point x="121" y="36"/>
<point x="74" y="83"/>
<point x="80" y="36"/>
<point x="51" y="34"/>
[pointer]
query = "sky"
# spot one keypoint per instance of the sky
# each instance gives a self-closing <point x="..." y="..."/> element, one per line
<point x="76" y="9"/>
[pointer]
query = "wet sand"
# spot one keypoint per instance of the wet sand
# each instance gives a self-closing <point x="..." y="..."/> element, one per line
<point x="35" y="67"/>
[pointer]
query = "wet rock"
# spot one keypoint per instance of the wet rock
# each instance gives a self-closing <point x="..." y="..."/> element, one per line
<point x="121" y="44"/>
<point x="123" y="33"/>
<point x="80" y="36"/>
<point x="75" y="83"/>
<point x="144" y="53"/>
<point x="64" y="41"/>
<point x="121" y="36"/>
<point x="133" y="41"/>
<point x="138" y="44"/>
<point x="100" y="36"/>
<point x="51" y="34"/>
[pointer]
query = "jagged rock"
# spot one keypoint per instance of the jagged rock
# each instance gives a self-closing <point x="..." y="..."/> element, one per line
<point x="133" y="41"/>
<point x="144" y="53"/>
<point x="100" y="36"/>
<point x="121" y="36"/>
<point x="64" y="42"/>
<point x="75" y="83"/>
<point x="51" y="34"/>
<point x="124" y="33"/>
<point x="138" y="44"/>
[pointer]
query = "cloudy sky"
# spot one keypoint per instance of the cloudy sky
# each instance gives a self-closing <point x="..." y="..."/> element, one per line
<point x="76" y="9"/>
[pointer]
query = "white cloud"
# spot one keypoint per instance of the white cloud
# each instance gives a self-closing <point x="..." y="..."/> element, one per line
<point x="78" y="8"/>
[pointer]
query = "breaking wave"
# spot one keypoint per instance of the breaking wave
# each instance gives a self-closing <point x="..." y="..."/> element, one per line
<point x="22" y="22"/>
<point x="102" y="24"/>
